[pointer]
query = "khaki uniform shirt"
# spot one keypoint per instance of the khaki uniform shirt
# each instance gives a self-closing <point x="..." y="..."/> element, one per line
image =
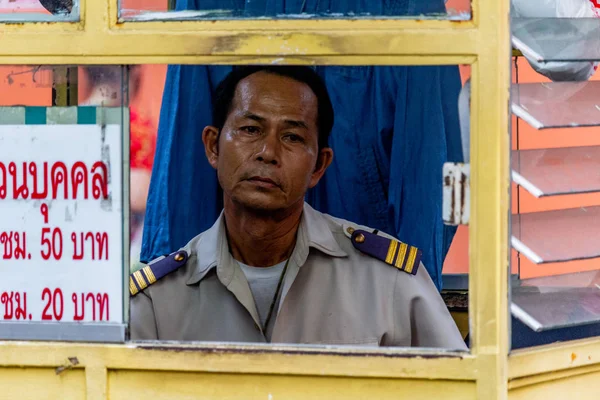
<point x="332" y="294"/>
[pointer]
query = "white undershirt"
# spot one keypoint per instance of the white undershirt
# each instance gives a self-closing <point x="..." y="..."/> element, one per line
<point x="263" y="284"/>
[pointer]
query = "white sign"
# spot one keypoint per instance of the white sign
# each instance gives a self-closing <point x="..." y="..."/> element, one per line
<point x="61" y="224"/>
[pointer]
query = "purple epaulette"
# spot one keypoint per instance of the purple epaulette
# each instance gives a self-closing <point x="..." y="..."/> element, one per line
<point x="155" y="270"/>
<point x="393" y="252"/>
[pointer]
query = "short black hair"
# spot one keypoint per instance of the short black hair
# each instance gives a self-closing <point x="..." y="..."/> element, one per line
<point x="226" y="91"/>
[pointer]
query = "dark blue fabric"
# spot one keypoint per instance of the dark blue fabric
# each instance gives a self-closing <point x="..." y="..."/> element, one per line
<point x="523" y="336"/>
<point x="395" y="127"/>
<point x="259" y="8"/>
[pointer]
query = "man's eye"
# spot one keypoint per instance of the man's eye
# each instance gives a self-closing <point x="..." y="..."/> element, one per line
<point x="292" y="137"/>
<point x="250" y="129"/>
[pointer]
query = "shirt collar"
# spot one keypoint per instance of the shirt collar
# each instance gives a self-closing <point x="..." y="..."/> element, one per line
<point x="206" y="250"/>
<point x="212" y="249"/>
<point x="314" y="231"/>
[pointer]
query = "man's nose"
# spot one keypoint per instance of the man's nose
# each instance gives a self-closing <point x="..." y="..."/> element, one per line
<point x="269" y="149"/>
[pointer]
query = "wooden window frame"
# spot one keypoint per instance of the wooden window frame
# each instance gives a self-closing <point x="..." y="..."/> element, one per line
<point x="483" y="42"/>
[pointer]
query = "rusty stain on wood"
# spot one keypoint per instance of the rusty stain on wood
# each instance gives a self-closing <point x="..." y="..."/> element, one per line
<point x="366" y="353"/>
<point x="69" y="364"/>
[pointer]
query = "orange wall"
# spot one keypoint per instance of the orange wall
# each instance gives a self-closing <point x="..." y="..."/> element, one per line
<point x="149" y="98"/>
<point x="459" y="5"/>
<point x="146" y="5"/>
<point x="24" y="85"/>
<point x="21" y="6"/>
<point x="529" y="138"/>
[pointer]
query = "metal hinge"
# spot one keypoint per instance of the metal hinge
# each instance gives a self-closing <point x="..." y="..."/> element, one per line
<point x="456" y="194"/>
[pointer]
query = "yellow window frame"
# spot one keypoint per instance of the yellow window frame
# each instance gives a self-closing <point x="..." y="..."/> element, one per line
<point x="125" y="371"/>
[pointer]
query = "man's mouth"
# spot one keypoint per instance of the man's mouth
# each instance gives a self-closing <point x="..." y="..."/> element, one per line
<point x="263" y="181"/>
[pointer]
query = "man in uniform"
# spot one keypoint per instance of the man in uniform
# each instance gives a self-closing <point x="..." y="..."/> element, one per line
<point x="273" y="269"/>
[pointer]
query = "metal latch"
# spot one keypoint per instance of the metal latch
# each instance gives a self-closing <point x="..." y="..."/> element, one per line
<point x="456" y="194"/>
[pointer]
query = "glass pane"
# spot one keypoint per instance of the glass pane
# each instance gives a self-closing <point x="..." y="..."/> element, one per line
<point x="554" y="294"/>
<point x="557" y="104"/>
<point x="557" y="39"/>
<point x="361" y="97"/>
<point x="351" y="297"/>
<point x="456" y="263"/>
<point x="139" y="10"/>
<point x="560" y="235"/>
<point x="62" y="190"/>
<point x="39" y="10"/>
<point x="557" y="301"/>
<point x="549" y="172"/>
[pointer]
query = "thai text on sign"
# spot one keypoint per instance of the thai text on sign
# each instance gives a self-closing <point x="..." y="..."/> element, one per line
<point x="61" y="223"/>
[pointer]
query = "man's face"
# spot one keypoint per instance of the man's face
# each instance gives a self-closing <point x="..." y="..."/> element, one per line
<point x="267" y="154"/>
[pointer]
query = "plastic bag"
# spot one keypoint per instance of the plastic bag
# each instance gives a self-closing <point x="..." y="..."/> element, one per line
<point x="559" y="71"/>
<point x="555" y="8"/>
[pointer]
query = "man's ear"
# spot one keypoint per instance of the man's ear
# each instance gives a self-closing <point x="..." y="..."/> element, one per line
<point x="323" y="162"/>
<point x="210" y="138"/>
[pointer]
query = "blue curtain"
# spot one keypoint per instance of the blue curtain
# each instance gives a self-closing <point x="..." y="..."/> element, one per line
<point x="394" y="128"/>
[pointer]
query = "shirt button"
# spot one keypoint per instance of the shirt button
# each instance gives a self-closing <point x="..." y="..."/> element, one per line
<point x="360" y="238"/>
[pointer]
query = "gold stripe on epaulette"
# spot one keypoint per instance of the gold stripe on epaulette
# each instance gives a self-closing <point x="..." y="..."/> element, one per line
<point x="133" y="290"/>
<point x="149" y="275"/>
<point x="398" y="249"/>
<point x="391" y="252"/>
<point x="140" y="280"/>
<point x="401" y="255"/>
<point x="410" y="264"/>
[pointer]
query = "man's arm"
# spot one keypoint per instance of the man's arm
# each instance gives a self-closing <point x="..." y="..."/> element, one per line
<point x="142" y="324"/>
<point x="431" y="322"/>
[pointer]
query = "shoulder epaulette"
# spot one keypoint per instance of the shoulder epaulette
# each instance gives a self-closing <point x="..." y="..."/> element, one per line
<point x="391" y="251"/>
<point x="155" y="270"/>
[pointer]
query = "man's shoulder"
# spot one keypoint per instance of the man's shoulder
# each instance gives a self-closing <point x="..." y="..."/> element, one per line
<point x="379" y="245"/>
<point x="163" y="267"/>
<point x="156" y="270"/>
